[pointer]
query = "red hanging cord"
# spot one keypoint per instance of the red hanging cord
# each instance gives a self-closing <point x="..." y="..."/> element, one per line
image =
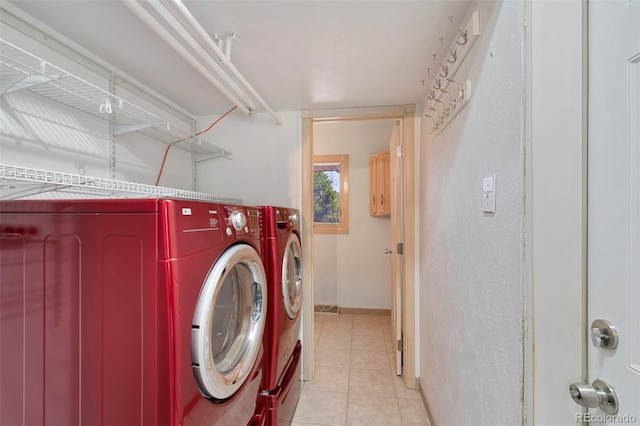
<point x="166" y="152"/>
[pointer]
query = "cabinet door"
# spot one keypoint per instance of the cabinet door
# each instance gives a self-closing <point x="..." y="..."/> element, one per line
<point x="384" y="172"/>
<point x="373" y="185"/>
<point x="379" y="184"/>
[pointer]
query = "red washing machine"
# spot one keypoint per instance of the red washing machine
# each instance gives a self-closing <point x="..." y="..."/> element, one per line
<point x="282" y="252"/>
<point x="122" y="312"/>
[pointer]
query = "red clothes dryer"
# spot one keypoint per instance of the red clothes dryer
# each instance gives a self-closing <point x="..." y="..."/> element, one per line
<point x="120" y="312"/>
<point x="282" y="252"/>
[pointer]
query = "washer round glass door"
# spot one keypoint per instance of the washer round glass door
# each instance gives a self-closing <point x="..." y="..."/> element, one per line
<point x="292" y="276"/>
<point x="229" y="322"/>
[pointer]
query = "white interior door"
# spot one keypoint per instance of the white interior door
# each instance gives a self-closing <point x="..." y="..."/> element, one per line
<point x="397" y="259"/>
<point x="614" y="199"/>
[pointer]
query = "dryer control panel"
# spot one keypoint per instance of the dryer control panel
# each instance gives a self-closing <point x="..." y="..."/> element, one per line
<point x="253" y="218"/>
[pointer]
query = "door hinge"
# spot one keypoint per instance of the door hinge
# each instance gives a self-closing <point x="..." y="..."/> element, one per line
<point x="399" y="345"/>
<point x="400" y="248"/>
<point x="399" y="151"/>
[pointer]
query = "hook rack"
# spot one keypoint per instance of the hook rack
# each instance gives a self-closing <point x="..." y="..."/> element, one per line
<point x="445" y="76"/>
<point x="453" y="53"/>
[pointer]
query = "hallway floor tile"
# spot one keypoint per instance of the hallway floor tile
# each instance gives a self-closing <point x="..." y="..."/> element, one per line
<point x="355" y="383"/>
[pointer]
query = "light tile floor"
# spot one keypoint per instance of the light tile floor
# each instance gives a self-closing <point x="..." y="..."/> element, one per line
<point x="355" y="383"/>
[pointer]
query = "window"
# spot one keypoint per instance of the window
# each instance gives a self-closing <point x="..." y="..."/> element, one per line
<point x="331" y="194"/>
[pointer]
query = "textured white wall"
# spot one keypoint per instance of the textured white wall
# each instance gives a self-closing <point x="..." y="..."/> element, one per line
<point x="265" y="168"/>
<point x="471" y="265"/>
<point x="351" y="270"/>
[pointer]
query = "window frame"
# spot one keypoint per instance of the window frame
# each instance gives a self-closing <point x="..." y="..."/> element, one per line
<point x="341" y="227"/>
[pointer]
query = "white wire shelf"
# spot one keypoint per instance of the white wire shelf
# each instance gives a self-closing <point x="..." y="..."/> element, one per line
<point x="20" y="70"/>
<point x="27" y="183"/>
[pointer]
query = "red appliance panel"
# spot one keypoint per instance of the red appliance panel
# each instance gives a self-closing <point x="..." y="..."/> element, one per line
<point x="282" y="403"/>
<point x="195" y="241"/>
<point x="74" y="304"/>
<point x="100" y="331"/>
<point x="185" y="404"/>
<point x="281" y="335"/>
<point x="124" y="205"/>
<point x="260" y="415"/>
<point x="189" y="227"/>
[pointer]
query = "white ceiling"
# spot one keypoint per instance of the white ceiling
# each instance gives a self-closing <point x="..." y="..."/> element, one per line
<point x="296" y="54"/>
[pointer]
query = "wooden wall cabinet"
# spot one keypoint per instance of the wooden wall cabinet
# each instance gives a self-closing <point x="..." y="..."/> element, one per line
<point x="379" y="184"/>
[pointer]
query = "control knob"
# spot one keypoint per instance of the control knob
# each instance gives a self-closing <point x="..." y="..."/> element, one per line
<point x="238" y="220"/>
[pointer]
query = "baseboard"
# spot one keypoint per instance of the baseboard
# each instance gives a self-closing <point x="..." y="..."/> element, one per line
<point x="426" y="404"/>
<point x="365" y="311"/>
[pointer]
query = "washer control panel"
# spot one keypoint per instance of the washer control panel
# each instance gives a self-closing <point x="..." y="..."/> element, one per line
<point x="242" y="220"/>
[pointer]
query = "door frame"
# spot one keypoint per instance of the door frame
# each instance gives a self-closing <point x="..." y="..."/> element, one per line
<point x="406" y="113"/>
<point x="555" y="256"/>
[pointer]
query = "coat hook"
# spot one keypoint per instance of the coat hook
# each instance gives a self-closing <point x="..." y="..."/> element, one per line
<point x="437" y="83"/>
<point x="460" y="94"/>
<point x="445" y="71"/>
<point x="432" y="95"/>
<point x="453" y="53"/>
<point x="463" y="33"/>
<point x="441" y="117"/>
<point x="437" y="113"/>
<point x="435" y="124"/>
<point x="445" y="110"/>
<point x="451" y="101"/>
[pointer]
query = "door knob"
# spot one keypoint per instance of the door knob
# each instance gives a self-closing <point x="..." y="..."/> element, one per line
<point x="598" y="394"/>
<point x="388" y="251"/>
<point x="604" y="334"/>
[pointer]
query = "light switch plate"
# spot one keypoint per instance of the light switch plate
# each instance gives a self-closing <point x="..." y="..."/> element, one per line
<point x="489" y="194"/>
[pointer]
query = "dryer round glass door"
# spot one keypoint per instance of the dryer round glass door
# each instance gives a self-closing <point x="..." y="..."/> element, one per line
<point x="229" y="322"/>
<point x="292" y="277"/>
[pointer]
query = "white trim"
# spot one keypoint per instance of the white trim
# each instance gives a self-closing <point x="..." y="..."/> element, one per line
<point x="528" y="409"/>
<point x="633" y="218"/>
<point x="555" y="202"/>
<point x="309" y="117"/>
<point x="358" y="112"/>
